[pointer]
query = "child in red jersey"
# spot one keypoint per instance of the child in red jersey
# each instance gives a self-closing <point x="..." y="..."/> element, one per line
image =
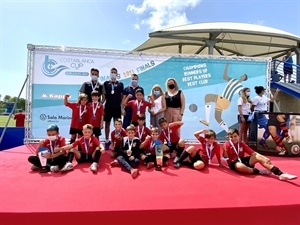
<point x="141" y="131"/>
<point x="148" y="149"/>
<point x="235" y="150"/>
<point x="129" y="152"/>
<point x="55" y="160"/>
<point x="95" y="114"/>
<point x="91" y="150"/>
<point x="139" y="105"/>
<point x="79" y="115"/>
<point x="116" y="138"/>
<point x="170" y="134"/>
<point x="203" y="156"/>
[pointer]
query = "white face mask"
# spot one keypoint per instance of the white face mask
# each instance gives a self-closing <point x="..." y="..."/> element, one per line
<point x="51" y="138"/>
<point x="94" y="77"/>
<point x="247" y="93"/>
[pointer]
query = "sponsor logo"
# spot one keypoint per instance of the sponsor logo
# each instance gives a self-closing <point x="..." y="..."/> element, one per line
<point x="50" y="67"/>
<point x="295" y="149"/>
<point x="53" y="118"/>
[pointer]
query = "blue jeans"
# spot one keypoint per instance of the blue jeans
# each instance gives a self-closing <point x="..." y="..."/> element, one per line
<point x="127" y="118"/>
<point x="128" y="164"/>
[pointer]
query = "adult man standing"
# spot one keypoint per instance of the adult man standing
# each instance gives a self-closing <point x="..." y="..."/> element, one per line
<point x="288" y="66"/>
<point x="20" y="119"/>
<point x="93" y="85"/>
<point x="114" y="95"/>
<point x="130" y="89"/>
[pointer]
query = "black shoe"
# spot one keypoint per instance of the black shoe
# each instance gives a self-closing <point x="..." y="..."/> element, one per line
<point x="177" y="165"/>
<point x="158" y="168"/>
<point x="44" y="169"/>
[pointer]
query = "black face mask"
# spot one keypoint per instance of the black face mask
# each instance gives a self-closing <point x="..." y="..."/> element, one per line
<point x="171" y="86"/>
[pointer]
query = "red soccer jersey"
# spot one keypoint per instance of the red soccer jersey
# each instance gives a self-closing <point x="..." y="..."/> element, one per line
<point x="149" y="146"/>
<point x="138" y="107"/>
<point x="95" y="112"/>
<point x="116" y="136"/>
<point x="87" y="146"/>
<point x="20" y="119"/>
<point x="207" y="152"/>
<point x="238" y="150"/>
<point x="142" y="132"/>
<point x="78" y="121"/>
<point x="171" y="134"/>
<point x="59" y="142"/>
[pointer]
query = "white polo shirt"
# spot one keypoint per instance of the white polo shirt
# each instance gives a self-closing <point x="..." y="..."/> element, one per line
<point x="260" y="103"/>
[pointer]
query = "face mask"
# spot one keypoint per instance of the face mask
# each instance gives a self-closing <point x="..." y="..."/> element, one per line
<point x="156" y="92"/>
<point x="51" y="138"/>
<point x="247" y="93"/>
<point x="171" y="86"/>
<point x="113" y="76"/>
<point x="94" y="77"/>
<point x="134" y="82"/>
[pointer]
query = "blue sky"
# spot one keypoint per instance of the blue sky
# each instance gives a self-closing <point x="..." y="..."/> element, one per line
<point x="117" y="24"/>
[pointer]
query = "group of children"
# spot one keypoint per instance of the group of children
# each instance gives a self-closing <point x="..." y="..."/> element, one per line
<point x="136" y="145"/>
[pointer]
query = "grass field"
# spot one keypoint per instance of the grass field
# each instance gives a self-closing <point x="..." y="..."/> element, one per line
<point x="3" y="121"/>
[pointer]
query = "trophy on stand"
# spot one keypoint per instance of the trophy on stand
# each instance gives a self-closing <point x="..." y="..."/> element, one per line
<point x="43" y="160"/>
<point x="159" y="154"/>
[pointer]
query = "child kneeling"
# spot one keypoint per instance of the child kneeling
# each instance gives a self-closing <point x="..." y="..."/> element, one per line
<point x="91" y="150"/>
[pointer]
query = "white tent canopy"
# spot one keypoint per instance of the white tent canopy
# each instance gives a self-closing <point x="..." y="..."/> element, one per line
<point x="240" y="39"/>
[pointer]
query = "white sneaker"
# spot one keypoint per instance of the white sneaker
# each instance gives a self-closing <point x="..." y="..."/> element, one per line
<point x="176" y="159"/>
<point x="282" y="152"/>
<point x="265" y="172"/>
<point x="67" y="167"/>
<point x="34" y="168"/>
<point x="286" y="176"/>
<point x="54" y="169"/>
<point x="94" y="167"/>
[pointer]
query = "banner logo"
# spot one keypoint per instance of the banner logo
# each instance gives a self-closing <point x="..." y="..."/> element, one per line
<point x="50" y="68"/>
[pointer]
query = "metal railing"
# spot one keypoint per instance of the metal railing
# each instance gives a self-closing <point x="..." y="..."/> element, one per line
<point x="277" y="72"/>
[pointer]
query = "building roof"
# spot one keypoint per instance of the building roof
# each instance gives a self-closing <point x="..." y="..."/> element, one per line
<point x="231" y="39"/>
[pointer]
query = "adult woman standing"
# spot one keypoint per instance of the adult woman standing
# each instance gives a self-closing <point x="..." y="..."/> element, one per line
<point x="244" y="110"/>
<point x="158" y="111"/>
<point x="174" y="100"/>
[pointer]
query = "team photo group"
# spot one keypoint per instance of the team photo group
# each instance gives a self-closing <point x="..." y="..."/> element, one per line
<point x="134" y="143"/>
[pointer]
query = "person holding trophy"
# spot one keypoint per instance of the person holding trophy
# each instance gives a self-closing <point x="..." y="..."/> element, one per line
<point x="47" y="158"/>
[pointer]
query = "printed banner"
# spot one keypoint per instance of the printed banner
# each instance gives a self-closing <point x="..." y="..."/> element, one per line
<point x="206" y="88"/>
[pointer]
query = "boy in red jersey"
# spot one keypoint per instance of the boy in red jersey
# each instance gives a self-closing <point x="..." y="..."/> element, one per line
<point x="138" y="106"/>
<point x="95" y="114"/>
<point x="148" y="149"/>
<point x="116" y="138"/>
<point x="170" y="134"/>
<point x="129" y="152"/>
<point x="141" y="131"/>
<point x="79" y="115"/>
<point x="203" y="156"/>
<point x="91" y="150"/>
<point x="55" y="160"/>
<point x="234" y="150"/>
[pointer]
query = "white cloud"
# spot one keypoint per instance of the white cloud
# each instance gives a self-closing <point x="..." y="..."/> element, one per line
<point x="136" y="26"/>
<point x="163" y="13"/>
<point x="126" y="42"/>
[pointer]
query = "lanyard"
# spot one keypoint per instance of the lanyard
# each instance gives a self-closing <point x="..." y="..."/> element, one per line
<point x="237" y="151"/>
<point x="209" y="151"/>
<point x="52" y="146"/>
<point x="138" y="105"/>
<point x="95" y="108"/>
<point x="81" y="112"/>
<point x="87" y="147"/>
<point x="94" y="87"/>
<point x="152" y="144"/>
<point x="140" y="133"/>
<point x="168" y="138"/>
<point x="130" y="144"/>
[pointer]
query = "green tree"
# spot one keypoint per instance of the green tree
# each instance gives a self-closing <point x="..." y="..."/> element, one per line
<point x="6" y="98"/>
<point x="20" y="103"/>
